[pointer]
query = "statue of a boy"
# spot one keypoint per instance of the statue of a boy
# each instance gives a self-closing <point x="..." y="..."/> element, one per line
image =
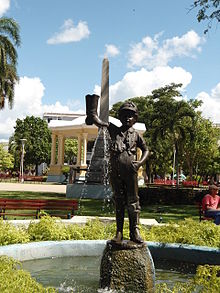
<point x="123" y="164"/>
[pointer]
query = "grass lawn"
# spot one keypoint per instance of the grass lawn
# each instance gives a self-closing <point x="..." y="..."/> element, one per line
<point x="94" y="207"/>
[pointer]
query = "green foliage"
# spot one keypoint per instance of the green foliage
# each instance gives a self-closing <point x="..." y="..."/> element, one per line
<point x="6" y="159"/>
<point x="186" y="232"/>
<point x="71" y="149"/>
<point x="206" y="280"/>
<point x="38" y="140"/>
<point x="9" y="38"/>
<point x="208" y="10"/>
<point x="9" y="234"/>
<point x="176" y="125"/>
<point x="201" y="154"/>
<point x="65" y="170"/>
<point x="48" y="228"/>
<point x="15" y="280"/>
<point x="51" y="228"/>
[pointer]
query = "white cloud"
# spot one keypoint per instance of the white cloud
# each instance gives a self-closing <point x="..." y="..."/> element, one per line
<point x="111" y="50"/>
<point x="149" y="53"/>
<point x="27" y="101"/>
<point x="142" y="82"/>
<point x="4" y="6"/>
<point x="211" y="104"/>
<point x="70" y="33"/>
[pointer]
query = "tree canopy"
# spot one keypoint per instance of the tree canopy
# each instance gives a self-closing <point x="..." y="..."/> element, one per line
<point x="208" y="10"/>
<point x="6" y="159"/>
<point x="38" y="140"/>
<point x="174" y="125"/>
<point x="9" y="39"/>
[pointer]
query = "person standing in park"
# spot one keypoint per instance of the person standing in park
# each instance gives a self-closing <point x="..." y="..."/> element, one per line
<point x="124" y="141"/>
<point x="211" y="204"/>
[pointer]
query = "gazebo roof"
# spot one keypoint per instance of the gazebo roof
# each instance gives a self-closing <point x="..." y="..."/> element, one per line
<point x="80" y="123"/>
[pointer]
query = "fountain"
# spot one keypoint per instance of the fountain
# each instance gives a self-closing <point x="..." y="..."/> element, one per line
<point x="75" y="263"/>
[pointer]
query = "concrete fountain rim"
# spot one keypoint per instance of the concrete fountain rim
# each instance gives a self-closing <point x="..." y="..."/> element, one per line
<point x="65" y="248"/>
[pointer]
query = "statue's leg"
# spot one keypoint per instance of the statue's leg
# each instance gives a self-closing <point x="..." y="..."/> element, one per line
<point x="120" y="213"/>
<point x="133" y="206"/>
<point x="119" y="200"/>
<point x="133" y="225"/>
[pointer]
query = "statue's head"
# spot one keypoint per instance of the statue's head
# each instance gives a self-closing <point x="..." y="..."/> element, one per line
<point x="128" y="109"/>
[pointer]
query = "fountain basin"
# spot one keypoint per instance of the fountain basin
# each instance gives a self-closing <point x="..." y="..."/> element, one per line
<point x="170" y="252"/>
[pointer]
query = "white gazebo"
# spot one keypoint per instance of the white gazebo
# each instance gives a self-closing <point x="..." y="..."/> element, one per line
<point x="77" y="128"/>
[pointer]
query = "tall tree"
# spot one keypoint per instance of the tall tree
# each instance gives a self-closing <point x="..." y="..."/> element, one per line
<point x="9" y="39"/>
<point x="172" y="119"/>
<point x="38" y="140"/>
<point x="164" y="118"/>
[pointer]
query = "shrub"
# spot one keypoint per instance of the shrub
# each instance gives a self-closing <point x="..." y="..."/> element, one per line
<point x="50" y="228"/>
<point x="47" y="229"/>
<point x="14" y="280"/>
<point x="9" y="234"/>
<point x="186" y="232"/>
<point x="206" y="280"/>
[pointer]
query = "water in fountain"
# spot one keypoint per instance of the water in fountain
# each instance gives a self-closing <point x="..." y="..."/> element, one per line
<point x="81" y="274"/>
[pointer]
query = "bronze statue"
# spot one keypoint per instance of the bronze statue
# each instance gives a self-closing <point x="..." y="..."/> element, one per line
<point x="123" y="164"/>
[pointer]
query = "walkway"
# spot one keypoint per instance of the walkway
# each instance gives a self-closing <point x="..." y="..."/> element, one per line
<point x="34" y="187"/>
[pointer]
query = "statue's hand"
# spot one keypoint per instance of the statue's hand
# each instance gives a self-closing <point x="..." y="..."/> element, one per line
<point x="94" y="119"/>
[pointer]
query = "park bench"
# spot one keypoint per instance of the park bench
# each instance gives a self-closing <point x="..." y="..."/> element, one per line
<point x="34" y="207"/>
<point x="33" y="178"/>
<point x="201" y="213"/>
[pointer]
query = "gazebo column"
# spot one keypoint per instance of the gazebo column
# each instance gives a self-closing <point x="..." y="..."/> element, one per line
<point x="85" y="135"/>
<point x="53" y="150"/>
<point x="55" y="173"/>
<point x="79" y="151"/>
<point x="61" y="141"/>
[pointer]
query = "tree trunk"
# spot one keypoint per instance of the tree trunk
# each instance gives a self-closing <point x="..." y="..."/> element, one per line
<point x="36" y="170"/>
<point x="177" y="165"/>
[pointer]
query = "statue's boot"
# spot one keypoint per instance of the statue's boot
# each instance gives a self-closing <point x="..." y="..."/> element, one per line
<point x="91" y="111"/>
<point x="133" y="225"/>
<point x="119" y="224"/>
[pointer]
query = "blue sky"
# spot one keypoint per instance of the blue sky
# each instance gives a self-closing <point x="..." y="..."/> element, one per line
<point x="148" y="43"/>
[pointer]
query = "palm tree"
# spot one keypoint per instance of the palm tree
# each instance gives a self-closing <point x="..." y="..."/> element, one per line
<point x="169" y="119"/>
<point x="9" y="38"/>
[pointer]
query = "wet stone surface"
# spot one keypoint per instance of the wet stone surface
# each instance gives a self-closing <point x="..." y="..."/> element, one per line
<point x="127" y="267"/>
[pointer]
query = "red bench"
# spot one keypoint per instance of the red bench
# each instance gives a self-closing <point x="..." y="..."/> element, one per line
<point x="202" y="217"/>
<point x="33" y="178"/>
<point x="14" y="207"/>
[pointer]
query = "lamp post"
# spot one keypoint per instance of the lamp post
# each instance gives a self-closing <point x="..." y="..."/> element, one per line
<point x="23" y="140"/>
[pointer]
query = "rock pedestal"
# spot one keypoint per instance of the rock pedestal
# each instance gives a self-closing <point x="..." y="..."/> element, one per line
<point x="127" y="267"/>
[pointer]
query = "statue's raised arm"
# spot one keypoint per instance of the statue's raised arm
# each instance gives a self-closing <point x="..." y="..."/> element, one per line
<point x="91" y="111"/>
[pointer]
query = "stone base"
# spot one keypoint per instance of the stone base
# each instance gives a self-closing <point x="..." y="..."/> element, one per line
<point x="81" y="190"/>
<point x="127" y="267"/>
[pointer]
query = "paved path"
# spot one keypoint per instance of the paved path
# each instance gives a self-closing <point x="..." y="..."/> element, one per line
<point x="34" y="187"/>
